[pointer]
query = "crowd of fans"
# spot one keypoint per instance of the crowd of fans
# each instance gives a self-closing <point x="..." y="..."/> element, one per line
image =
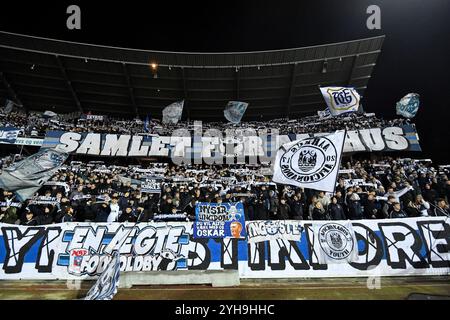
<point x="35" y="125"/>
<point x="366" y="189"/>
<point x="96" y="192"/>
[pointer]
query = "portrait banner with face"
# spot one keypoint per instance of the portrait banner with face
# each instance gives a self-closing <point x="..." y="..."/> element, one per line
<point x="219" y="220"/>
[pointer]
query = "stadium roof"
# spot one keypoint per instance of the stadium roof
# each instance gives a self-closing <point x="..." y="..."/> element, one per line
<point x="46" y="74"/>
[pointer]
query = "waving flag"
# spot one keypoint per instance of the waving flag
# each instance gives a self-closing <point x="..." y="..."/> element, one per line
<point x="341" y="100"/>
<point x="408" y="105"/>
<point x="9" y="134"/>
<point x="234" y="111"/>
<point x="9" y="105"/>
<point x="26" y="177"/>
<point x="106" y="286"/>
<point x="311" y="162"/>
<point x="49" y="114"/>
<point x="172" y="113"/>
<point x="325" y="114"/>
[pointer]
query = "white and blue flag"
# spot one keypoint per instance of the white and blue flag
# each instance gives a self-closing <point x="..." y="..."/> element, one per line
<point x="325" y="114"/>
<point x="26" y="177"/>
<point x="106" y="286"/>
<point x="234" y="111"/>
<point x="408" y="105"/>
<point x="9" y="134"/>
<point x="341" y="100"/>
<point x="172" y="113"/>
<point x="146" y="122"/>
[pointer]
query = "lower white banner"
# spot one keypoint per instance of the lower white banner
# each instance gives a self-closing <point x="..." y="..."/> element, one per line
<point x="272" y="249"/>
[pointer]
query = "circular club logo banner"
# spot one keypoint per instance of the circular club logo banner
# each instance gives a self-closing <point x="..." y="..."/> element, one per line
<point x="310" y="160"/>
<point x="336" y="241"/>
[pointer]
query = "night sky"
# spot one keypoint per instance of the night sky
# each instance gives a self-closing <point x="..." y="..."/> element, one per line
<point x="415" y="55"/>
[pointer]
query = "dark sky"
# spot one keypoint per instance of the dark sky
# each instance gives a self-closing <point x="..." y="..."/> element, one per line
<point x="415" y="56"/>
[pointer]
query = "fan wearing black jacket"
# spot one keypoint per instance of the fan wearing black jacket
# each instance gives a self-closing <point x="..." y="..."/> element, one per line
<point x="284" y="210"/>
<point x="370" y="210"/>
<point x="336" y="210"/>
<point x="127" y="215"/>
<point x="412" y="210"/>
<point x="318" y="212"/>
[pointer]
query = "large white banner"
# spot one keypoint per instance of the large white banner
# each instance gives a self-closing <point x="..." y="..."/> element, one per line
<point x="264" y="148"/>
<point x="310" y="163"/>
<point x="391" y="247"/>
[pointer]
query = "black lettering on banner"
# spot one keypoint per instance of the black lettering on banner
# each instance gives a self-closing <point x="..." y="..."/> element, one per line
<point x="49" y="254"/>
<point x="437" y="242"/>
<point x="313" y="256"/>
<point x="194" y="255"/>
<point x="373" y="246"/>
<point x="256" y="252"/>
<point x="402" y="244"/>
<point x="17" y="248"/>
<point x="228" y="253"/>
<point x="286" y="249"/>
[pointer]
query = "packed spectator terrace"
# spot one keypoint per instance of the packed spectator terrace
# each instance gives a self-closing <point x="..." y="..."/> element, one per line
<point x="99" y="191"/>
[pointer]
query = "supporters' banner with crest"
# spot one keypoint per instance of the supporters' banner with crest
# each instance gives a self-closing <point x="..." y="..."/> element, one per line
<point x="408" y="105"/>
<point x="106" y="285"/>
<point x="26" y="177"/>
<point x="386" y="247"/>
<point x="234" y="111"/>
<point x="261" y="231"/>
<point x="336" y="242"/>
<point x="310" y="163"/>
<point x="9" y="134"/>
<point x="219" y="220"/>
<point x="341" y="100"/>
<point x="172" y="113"/>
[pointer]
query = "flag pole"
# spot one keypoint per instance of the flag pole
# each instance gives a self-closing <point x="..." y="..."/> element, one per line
<point x="339" y="162"/>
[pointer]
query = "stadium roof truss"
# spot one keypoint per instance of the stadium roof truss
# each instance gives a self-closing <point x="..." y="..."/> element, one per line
<point x="45" y="74"/>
